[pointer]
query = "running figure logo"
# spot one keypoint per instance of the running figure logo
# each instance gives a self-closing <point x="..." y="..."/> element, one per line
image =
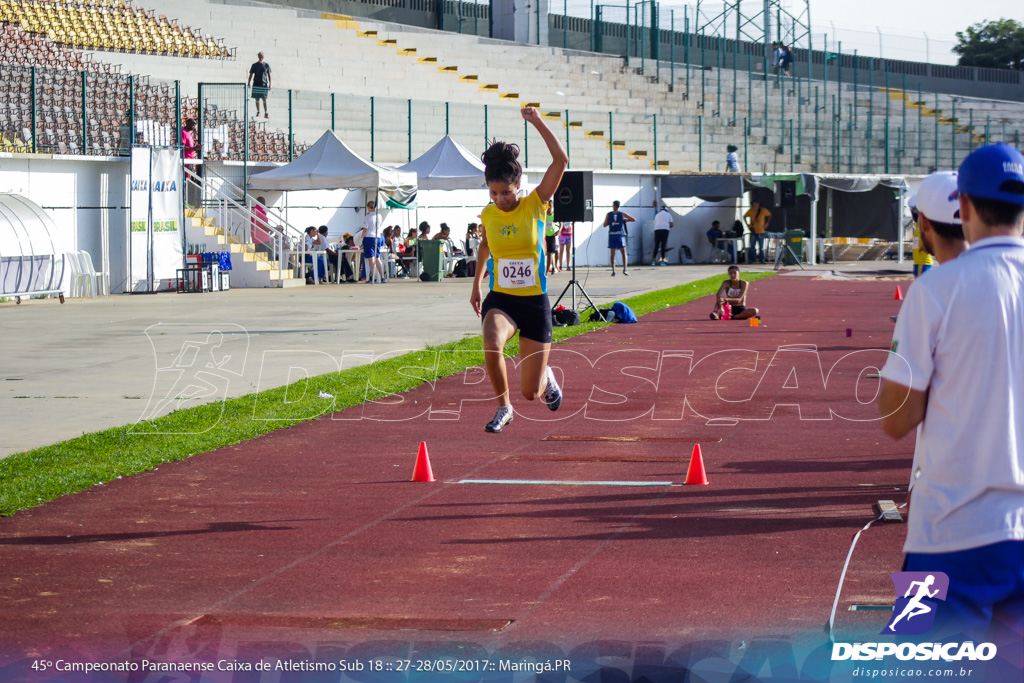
<point x="914" y="612"/>
<point x="194" y="365"/>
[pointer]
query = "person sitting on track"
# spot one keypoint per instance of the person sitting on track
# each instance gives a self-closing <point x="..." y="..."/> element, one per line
<point x="511" y="251"/>
<point x="734" y="292"/>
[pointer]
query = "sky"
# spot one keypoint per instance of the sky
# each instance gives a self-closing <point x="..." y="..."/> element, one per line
<point x="904" y="24"/>
<point x="942" y="18"/>
<point x="915" y="30"/>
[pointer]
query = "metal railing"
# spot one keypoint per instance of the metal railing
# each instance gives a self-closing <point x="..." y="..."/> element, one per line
<point x="216" y="197"/>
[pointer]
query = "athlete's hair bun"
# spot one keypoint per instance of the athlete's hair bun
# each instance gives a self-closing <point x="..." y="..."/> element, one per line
<point x="501" y="163"/>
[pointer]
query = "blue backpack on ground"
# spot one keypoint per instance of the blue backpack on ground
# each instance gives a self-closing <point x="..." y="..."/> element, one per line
<point x="623" y="313"/>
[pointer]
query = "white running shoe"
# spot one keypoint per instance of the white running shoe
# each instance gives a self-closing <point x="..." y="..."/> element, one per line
<point x="501" y="418"/>
<point x="553" y="392"/>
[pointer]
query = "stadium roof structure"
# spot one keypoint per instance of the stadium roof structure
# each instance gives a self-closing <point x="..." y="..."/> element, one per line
<point x="330" y="164"/>
<point x="447" y="166"/>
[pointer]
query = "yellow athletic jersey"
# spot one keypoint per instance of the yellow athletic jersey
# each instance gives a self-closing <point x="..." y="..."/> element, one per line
<point x="921" y="257"/>
<point x="515" y="240"/>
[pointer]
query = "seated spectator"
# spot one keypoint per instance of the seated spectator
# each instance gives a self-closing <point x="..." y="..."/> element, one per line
<point x="424" y="231"/>
<point x="325" y="245"/>
<point x="449" y="248"/>
<point x="734" y="292"/>
<point x="472" y="244"/>
<point x="346" y="249"/>
<point x="312" y="241"/>
<point x="715" y="234"/>
<point x="472" y="240"/>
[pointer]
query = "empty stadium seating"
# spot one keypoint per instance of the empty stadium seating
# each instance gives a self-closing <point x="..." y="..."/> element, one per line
<point x="61" y="72"/>
<point x="113" y="25"/>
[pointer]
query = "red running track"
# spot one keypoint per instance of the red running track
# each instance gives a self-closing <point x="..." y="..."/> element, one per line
<point x="314" y="534"/>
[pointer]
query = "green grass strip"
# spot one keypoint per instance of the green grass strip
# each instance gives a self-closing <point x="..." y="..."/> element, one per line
<point x="34" y="477"/>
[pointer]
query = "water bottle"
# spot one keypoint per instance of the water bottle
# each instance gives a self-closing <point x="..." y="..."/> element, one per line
<point x="726" y="311"/>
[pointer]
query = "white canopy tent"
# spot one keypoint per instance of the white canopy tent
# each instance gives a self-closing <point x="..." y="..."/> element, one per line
<point x="447" y="166"/>
<point x="329" y="164"/>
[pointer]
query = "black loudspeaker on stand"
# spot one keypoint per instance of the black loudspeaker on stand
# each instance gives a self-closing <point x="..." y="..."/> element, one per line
<point x="574" y="198"/>
<point x="574" y="203"/>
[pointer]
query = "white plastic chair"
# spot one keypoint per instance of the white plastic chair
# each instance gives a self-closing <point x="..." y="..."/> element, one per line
<point x="97" y="281"/>
<point x="75" y="277"/>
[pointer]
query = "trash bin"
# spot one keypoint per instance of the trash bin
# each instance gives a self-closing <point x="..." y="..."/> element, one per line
<point x="795" y="242"/>
<point x="431" y="259"/>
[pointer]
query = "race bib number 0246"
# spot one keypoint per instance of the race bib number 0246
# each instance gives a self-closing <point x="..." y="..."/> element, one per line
<point x="517" y="273"/>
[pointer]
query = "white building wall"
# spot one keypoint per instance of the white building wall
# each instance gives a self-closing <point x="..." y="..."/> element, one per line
<point x="84" y="197"/>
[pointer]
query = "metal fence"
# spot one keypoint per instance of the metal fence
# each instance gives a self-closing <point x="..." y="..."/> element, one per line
<point x="61" y="111"/>
<point x="855" y="121"/>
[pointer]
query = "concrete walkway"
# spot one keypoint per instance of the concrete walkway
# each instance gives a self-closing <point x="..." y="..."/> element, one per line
<point x="92" y="364"/>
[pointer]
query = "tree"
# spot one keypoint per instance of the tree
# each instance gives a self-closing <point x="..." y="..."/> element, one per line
<point x="995" y="44"/>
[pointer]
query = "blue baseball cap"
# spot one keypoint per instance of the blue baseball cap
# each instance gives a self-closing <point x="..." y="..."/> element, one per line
<point x="993" y="172"/>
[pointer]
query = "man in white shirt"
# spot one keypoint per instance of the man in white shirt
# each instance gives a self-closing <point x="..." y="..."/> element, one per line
<point x="957" y="369"/>
<point x="662" y="225"/>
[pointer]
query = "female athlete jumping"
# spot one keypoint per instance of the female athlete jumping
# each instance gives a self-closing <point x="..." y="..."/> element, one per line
<point x="511" y="252"/>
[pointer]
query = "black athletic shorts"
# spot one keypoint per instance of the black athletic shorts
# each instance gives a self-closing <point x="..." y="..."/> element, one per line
<point x="551" y="242"/>
<point x="531" y="314"/>
<point x="737" y="309"/>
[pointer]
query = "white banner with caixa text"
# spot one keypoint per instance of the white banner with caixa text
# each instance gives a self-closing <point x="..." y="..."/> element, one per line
<point x="155" y="229"/>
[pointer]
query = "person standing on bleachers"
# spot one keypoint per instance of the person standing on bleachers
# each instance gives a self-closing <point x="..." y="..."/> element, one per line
<point x="190" y="144"/>
<point x="259" y="79"/>
<point x="732" y="159"/>
<point x="786" y="59"/>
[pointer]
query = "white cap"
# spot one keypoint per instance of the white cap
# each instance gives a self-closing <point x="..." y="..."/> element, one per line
<point x="912" y="202"/>
<point x="938" y="198"/>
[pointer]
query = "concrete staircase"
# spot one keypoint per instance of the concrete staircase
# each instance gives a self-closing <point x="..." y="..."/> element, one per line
<point x="249" y="268"/>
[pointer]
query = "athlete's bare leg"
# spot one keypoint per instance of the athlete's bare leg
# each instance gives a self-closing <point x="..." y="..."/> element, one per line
<point x="534" y="362"/>
<point x="498" y="329"/>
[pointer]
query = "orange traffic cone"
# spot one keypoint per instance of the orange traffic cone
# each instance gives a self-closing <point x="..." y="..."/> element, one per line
<point x="422" y="472"/>
<point x="696" y="474"/>
<point x="898" y="296"/>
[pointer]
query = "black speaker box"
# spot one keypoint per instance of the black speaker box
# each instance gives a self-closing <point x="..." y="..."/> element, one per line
<point x="574" y="198"/>
<point x="787" y="193"/>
